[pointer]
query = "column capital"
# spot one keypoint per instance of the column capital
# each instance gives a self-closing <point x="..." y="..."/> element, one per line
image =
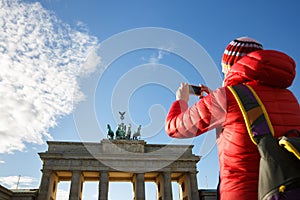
<point x="47" y="171"/>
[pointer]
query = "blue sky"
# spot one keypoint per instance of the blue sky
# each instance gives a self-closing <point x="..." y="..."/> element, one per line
<point x="54" y="68"/>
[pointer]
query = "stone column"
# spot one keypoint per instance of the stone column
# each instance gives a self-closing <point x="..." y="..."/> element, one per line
<point x="164" y="186"/>
<point x="103" y="185"/>
<point x="189" y="186"/>
<point x="167" y="185"/>
<point x="194" y="186"/>
<point x="76" y="186"/>
<point x="48" y="186"/>
<point x="139" y="186"/>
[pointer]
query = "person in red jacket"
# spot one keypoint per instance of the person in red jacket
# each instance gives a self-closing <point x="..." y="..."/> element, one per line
<point x="269" y="72"/>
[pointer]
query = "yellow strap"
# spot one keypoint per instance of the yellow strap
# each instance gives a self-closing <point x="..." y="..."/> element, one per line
<point x="247" y="122"/>
<point x="244" y="112"/>
<point x="263" y="109"/>
<point x="287" y="145"/>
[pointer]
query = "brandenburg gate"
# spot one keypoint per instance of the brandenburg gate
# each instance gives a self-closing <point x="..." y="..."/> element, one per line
<point x="132" y="161"/>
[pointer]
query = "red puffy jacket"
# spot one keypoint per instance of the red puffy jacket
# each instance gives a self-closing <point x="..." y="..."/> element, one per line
<point x="269" y="73"/>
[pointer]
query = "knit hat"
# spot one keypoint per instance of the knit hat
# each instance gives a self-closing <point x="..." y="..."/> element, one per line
<point x="237" y="49"/>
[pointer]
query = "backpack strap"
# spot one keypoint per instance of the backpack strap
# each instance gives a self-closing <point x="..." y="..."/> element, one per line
<point x="291" y="144"/>
<point x="255" y="115"/>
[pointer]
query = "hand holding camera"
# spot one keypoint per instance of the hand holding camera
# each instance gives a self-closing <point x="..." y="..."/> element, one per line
<point x="200" y="91"/>
<point x="195" y="90"/>
<point x="186" y="89"/>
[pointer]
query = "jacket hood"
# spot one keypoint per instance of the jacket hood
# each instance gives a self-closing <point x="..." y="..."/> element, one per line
<point x="267" y="67"/>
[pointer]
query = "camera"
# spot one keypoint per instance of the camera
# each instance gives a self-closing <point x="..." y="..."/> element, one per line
<point x="195" y="90"/>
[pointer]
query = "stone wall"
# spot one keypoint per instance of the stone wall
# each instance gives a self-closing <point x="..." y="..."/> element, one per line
<point x="18" y="194"/>
<point x="5" y="194"/>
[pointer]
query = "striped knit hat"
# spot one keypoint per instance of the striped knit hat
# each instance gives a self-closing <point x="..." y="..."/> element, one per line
<point x="237" y="49"/>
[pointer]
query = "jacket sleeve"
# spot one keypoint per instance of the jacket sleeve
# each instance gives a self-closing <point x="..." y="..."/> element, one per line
<point x="206" y="114"/>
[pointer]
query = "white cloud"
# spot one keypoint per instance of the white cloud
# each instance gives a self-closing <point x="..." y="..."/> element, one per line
<point x="23" y="182"/>
<point x="90" y="63"/>
<point x="2" y="161"/>
<point x="62" y="194"/>
<point x="156" y="57"/>
<point x="41" y="60"/>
